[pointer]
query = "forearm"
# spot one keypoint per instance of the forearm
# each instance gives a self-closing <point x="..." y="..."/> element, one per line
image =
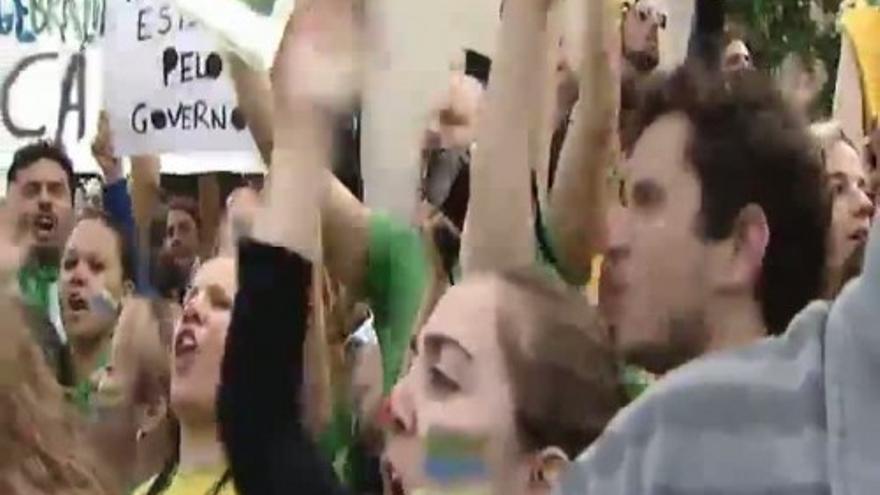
<point x="254" y="91"/>
<point x="708" y="32"/>
<point x="297" y="182"/>
<point x="118" y="205"/>
<point x="578" y="203"/>
<point x="345" y="230"/>
<point x="145" y="188"/>
<point x="498" y="229"/>
<point x="268" y="448"/>
<point x="344" y="218"/>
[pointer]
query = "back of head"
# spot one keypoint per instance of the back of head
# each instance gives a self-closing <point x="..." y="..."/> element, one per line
<point x="748" y="147"/>
<point x="563" y="372"/>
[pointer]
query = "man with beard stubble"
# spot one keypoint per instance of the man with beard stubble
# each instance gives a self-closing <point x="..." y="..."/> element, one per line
<point x="40" y="185"/>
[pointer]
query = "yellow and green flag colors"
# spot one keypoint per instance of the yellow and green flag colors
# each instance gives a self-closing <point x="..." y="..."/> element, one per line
<point x="455" y="463"/>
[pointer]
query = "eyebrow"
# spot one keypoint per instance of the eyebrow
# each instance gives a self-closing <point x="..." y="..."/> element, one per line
<point x="438" y="341"/>
<point x="215" y="290"/>
<point x="838" y="176"/>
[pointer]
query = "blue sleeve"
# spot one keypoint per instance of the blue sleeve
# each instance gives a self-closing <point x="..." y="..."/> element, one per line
<point x="117" y="204"/>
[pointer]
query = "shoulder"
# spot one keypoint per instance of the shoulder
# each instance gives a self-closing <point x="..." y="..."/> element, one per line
<point x="774" y="369"/>
<point x="756" y="410"/>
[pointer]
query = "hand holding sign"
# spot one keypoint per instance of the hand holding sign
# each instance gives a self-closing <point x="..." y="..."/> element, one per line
<point x="104" y="153"/>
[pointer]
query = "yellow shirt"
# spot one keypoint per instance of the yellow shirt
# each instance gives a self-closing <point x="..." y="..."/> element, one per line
<point x="862" y="24"/>
<point x="199" y="482"/>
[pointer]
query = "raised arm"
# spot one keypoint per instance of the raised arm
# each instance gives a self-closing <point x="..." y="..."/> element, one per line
<point x="345" y="228"/>
<point x="708" y="33"/>
<point x="498" y="230"/>
<point x="116" y="197"/>
<point x="269" y="449"/>
<point x="254" y="92"/>
<point x="577" y="204"/>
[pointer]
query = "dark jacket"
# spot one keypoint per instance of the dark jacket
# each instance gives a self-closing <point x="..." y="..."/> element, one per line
<point x="268" y="448"/>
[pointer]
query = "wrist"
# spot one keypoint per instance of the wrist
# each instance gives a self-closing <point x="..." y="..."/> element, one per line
<point x="113" y="173"/>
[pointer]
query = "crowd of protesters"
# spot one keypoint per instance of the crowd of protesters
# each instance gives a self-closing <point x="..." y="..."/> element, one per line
<point x="732" y="344"/>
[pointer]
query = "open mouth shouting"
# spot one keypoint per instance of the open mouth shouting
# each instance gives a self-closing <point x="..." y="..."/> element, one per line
<point x="44" y="226"/>
<point x="392" y="478"/>
<point x="185" y="349"/>
<point x="860" y="235"/>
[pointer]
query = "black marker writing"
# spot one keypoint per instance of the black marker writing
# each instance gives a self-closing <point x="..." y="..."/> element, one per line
<point x="187" y="116"/>
<point x="190" y="66"/>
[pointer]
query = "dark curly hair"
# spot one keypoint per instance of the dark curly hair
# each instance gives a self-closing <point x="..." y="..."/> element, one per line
<point x="748" y="147"/>
<point x="32" y="153"/>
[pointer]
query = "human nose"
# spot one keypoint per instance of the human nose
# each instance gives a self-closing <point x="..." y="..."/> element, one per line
<point x="76" y="275"/>
<point x="400" y="409"/>
<point x="193" y="309"/>
<point x="864" y="207"/>
<point x="44" y="198"/>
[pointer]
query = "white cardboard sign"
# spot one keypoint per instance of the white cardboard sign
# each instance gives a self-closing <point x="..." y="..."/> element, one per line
<point x="167" y="87"/>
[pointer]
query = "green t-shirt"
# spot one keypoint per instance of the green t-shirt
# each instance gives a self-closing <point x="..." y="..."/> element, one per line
<point x="82" y="394"/>
<point x="398" y="273"/>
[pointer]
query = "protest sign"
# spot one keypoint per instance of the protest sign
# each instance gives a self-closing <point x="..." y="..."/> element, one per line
<point x="167" y="84"/>
<point x="50" y="75"/>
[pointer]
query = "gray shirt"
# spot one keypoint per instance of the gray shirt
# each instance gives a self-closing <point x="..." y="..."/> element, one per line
<point x="798" y="414"/>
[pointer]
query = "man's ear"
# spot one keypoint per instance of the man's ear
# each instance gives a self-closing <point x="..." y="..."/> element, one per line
<point x="735" y="262"/>
<point x="546" y="469"/>
<point x="128" y="289"/>
<point x="751" y="236"/>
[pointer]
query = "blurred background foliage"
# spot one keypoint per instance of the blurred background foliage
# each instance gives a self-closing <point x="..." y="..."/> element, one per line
<point x="773" y="29"/>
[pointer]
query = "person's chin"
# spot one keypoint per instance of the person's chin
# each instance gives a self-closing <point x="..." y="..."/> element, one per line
<point x="643" y="62"/>
<point x="640" y="345"/>
<point x="79" y="328"/>
<point x="47" y="245"/>
<point x="402" y="466"/>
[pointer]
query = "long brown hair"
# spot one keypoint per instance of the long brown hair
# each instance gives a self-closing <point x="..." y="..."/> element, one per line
<point x="43" y="448"/>
<point x="549" y="334"/>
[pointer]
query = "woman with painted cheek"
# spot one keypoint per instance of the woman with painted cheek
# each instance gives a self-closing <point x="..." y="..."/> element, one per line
<point x="42" y="447"/>
<point x="851" y="206"/>
<point x="198" y="465"/>
<point x="134" y="431"/>
<point x="97" y="271"/>
<point x="513" y="365"/>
